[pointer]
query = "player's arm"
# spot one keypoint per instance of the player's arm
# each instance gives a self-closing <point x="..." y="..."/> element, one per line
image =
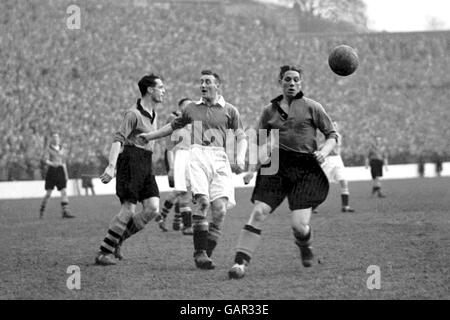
<point x="385" y="161"/>
<point x="263" y="151"/>
<point x="47" y="157"/>
<point x="241" y="139"/>
<point x="325" y="125"/>
<point x="127" y="126"/>
<point x="160" y="133"/>
<point x="112" y="161"/>
<point x="177" y="123"/>
<point x="66" y="173"/>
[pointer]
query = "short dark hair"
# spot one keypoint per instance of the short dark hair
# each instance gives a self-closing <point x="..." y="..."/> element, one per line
<point x="210" y="73"/>
<point x="183" y="100"/>
<point x="286" y="68"/>
<point x="147" y="81"/>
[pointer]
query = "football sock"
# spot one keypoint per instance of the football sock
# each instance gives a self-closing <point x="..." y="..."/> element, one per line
<point x="113" y="235"/>
<point x="248" y="241"/>
<point x="213" y="236"/>
<point x="345" y="200"/>
<point x="165" y="210"/>
<point x="302" y="240"/>
<point x="65" y="206"/>
<point x="177" y="218"/>
<point x="200" y="237"/>
<point x="186" y="216"/>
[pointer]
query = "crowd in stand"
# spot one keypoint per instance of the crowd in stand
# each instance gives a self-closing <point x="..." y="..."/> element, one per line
<point x="78" y="82"/>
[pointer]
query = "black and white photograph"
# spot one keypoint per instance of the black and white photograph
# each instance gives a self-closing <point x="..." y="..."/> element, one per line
<point x="221" y="157"/>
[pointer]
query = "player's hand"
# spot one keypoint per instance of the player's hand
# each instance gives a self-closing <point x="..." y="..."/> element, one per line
<point x="238" y="167"/>
<point x="248" y="177"/>
<point x="108" y="175"/>
<point x="171" y="178"/>
<point x="143" y="138"/>
<point x="320" y="156"/>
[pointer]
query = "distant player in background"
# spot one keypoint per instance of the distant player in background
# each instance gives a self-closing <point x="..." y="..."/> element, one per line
<point x="89" y="170"/>
<point x="56" y="176"/>
<point x="176" y="159"/>
<point x="377" y="158"/>
<point x="334" y="168"/>
<point x="135" y="181"/>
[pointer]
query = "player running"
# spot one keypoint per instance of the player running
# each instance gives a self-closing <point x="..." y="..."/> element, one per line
<point x="209" y="168"/>
<point x="135" y="181"/>
<point x="299" y="177"/>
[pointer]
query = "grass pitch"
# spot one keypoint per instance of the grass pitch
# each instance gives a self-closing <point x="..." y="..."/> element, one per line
<point x="407" y="235"/>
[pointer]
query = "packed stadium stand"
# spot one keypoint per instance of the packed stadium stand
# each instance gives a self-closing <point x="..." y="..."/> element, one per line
<point x="78" y="82"/>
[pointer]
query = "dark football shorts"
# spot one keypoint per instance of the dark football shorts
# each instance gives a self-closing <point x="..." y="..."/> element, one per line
<point x="376" y="168"/>
<point x="299" y="178"/>
<point x="55" y="177"/>
<point x="134" y="178"/>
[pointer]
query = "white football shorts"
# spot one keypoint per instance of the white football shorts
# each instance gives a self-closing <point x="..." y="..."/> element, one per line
<point x="210" y="173"/>
<point x="334" y="168"/>
<point x="180" y="172"/>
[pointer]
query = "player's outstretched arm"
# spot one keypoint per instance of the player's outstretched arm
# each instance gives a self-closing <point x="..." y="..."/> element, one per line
<point x="154" y="135"/>
<point x="111" y="168"/>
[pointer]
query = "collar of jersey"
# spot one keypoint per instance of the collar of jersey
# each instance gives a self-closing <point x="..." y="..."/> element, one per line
<point x="144" y="112"/>
<point x="220" y="102"/>
<point x="278" y="99"/>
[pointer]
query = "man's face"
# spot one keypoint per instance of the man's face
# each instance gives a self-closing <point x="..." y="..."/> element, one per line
<point x="157" y="92"/>
<point x="291" y="83"/>
<point x="209" y="87"/>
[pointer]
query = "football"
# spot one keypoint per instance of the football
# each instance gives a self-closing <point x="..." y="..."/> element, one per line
<point x="343" y="60"/>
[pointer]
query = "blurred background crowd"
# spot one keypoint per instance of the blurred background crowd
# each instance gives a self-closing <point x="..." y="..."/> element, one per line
<point x="78" y="82"/>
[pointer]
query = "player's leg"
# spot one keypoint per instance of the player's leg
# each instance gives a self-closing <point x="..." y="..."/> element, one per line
<point x="303" y="234"/>
<point x="148" y="194"/>
<point x="150" y="210"/>
<point x="199" y="171"/>
<point x="186" y="213"/>
<point x="65" y="205"/>
<point x="114" y="235"/>
<point x="249" y="239"/>
<point x="218" y="213"/>
<point x="48" y="193"/>
<point x="200" y="232"/>
<point x="177" y="223"/>
<point x="167" y="206"/>
<point x="310" y="188"/>
<point x="376" y="168"/>
<point x="61" y="184"/>
<point x="268" y="193"/>
<point x="345" y="196"/>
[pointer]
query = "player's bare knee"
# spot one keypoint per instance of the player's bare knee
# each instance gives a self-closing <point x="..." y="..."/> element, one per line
<point x="218" y="210"/>
<point x="301" y="230"/>
<point x="202" y="203"/>
<point x="150" y="212"/>
<point x="259" y="214"/>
